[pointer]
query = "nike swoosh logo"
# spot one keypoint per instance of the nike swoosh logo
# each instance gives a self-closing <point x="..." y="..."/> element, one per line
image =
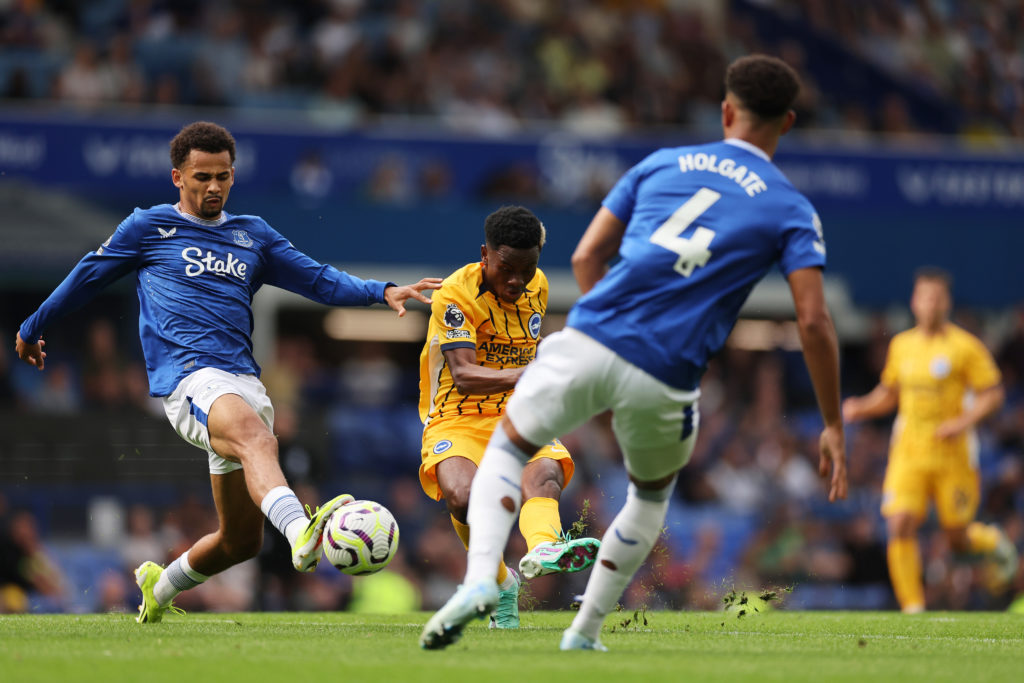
<point x="516" y="484"/>
<point x="627" y="541"/>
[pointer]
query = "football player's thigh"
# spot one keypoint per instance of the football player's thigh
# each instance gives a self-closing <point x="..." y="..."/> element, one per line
<point x="905" y="491"/>
<point x="957" y="495"/>
<point x="563" y="388"/>
<point x="455" y="440"/>
<point x="656" y="426"/>
<point x="557" y="453"/>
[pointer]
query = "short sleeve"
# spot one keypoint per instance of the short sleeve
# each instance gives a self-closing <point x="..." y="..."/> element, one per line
<point x="452" y="316"/>
<point x="622" y="198"/>
<point x="980" y="368"/>
<point x="802" y="243"/>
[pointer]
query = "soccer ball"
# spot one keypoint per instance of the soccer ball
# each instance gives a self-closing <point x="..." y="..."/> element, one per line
<point x="361" y="537"/>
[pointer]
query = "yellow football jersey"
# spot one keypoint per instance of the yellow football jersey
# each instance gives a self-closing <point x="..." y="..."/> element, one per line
<point x="465" y="314"/>
<point x="934" y="375"/>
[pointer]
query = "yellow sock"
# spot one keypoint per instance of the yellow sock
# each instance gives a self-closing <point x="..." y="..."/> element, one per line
<point x="539" y="521"/>
<point x="502" y="573"/>
<point x="463" y="531"/>
<point x="982" y="538"/>
<point x="905" y="572"/>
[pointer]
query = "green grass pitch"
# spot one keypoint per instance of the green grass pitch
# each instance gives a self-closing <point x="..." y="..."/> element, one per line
<point x="673" y="646"/>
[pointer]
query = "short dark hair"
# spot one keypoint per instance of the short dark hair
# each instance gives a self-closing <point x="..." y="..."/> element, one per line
<point x="766" y="86"/>
<point x="204" y="136"/>
<point x="934" y="274"/>
<point x="514" y="226"/>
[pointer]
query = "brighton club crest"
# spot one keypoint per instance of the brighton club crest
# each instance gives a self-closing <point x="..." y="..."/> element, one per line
<point x="534" y="325"/>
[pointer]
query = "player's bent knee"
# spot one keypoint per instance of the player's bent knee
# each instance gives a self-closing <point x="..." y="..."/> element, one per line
<point x="257" y="446"/>
<point x="457" y="502"/>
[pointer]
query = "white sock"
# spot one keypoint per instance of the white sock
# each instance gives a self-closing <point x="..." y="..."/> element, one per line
<point x="625" y="546"/>
<point x="285" y="512"/>
<point x="509" y="581"/>
<point x="497" y="484"/>
<point x="179" y="576"/>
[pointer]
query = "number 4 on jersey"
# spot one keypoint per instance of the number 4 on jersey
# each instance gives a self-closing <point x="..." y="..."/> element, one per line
<point x="693" y="250"/>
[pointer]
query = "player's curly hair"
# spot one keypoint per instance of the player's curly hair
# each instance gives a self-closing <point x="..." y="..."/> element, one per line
<point x="514" y="226"/>
<point x="766" y="86"/>
<point x="204" y="136"/>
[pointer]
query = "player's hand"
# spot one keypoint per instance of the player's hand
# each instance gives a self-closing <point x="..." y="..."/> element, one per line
<point x="32" y="354"/>
<point x="951" y="428"/>
<point x="832" y="446"/>
<point x="397" y="296"/>
<point x="851" y="409"/>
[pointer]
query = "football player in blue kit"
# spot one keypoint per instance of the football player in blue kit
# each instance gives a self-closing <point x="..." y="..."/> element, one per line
<point x="197" y="270"/>
<point x="695" y="228"/>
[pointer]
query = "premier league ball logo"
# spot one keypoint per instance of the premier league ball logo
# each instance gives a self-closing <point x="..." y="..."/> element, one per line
<point x="453" y="317"/>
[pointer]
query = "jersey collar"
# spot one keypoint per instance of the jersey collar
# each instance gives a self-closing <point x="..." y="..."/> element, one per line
<point x="198" y="220"/>
<point x="753" y="149"/>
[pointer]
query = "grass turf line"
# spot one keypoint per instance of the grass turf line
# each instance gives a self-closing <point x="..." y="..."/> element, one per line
<point x="674" y="646"/>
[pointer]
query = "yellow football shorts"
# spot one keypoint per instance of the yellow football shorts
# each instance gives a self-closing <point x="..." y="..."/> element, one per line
<point x="466" y="436"/>
<point x="955" y="489"/>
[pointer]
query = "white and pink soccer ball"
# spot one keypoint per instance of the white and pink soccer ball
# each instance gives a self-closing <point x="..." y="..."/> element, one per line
<point x="361" y="538"/>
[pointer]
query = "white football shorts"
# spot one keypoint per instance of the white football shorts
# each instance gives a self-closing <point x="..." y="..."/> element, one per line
<point x="189" y="405"/>
<point x="574" y="378"/>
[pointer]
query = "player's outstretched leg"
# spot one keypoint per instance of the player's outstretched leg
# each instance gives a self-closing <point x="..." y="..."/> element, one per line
<point x="564" y="555"/>
<point x="574" y="640"/>
<point x="506" y="614"/>
<point x="151" y="611"/>
<point x="308" y="547"/>
<point x="472" y="601"/>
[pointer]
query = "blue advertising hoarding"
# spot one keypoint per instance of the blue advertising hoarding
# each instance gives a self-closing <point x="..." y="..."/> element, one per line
<point x="414" y="196"/>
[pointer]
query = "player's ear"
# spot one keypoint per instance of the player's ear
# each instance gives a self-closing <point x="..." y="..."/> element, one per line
<point x="176" y="177"/>
<point x="788" y="122"/>
<point x="483" y="254"/>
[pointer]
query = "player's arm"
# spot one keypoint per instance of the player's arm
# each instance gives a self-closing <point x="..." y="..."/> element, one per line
<point x="882" y="400"/>
<point x="821" y="354"/>
<point x="97" y="269"/>
<point x="986" y="402"/>
<point x="293" y="270"/>
<point x="473" y="379"/>
<point x="982" y="375"/>
<point x="599" y="245"/>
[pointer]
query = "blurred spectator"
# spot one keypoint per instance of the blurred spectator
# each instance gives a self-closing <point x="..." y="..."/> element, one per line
<point x="143" y="540"/>
<point x="27" y="570"/>
<point x="491" y="67"/>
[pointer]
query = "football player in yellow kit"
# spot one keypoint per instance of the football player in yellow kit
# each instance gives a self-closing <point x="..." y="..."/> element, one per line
<point x="484" y="328"/>
<point x="944" y="382"/>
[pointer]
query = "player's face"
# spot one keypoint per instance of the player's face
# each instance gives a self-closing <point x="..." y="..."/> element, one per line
<point x="508" y="270"/>
<point x="204" y="181"/>
<point x="930" y="302"/>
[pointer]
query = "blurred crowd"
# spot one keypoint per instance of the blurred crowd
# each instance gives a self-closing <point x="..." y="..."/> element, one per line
<point x="492" y="67"/>
<point x="749" y="514"/>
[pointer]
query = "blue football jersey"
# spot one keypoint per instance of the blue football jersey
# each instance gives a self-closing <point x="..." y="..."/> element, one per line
<point x="195" y="280"/>
<point x="703" y="225"/>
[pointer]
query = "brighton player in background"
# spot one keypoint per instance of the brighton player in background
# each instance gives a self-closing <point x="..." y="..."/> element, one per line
<point x="198" y="268"/>
<point x="929" y="372"/>
<point x="694" y="228"/>
<point x="484" y="327"/>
